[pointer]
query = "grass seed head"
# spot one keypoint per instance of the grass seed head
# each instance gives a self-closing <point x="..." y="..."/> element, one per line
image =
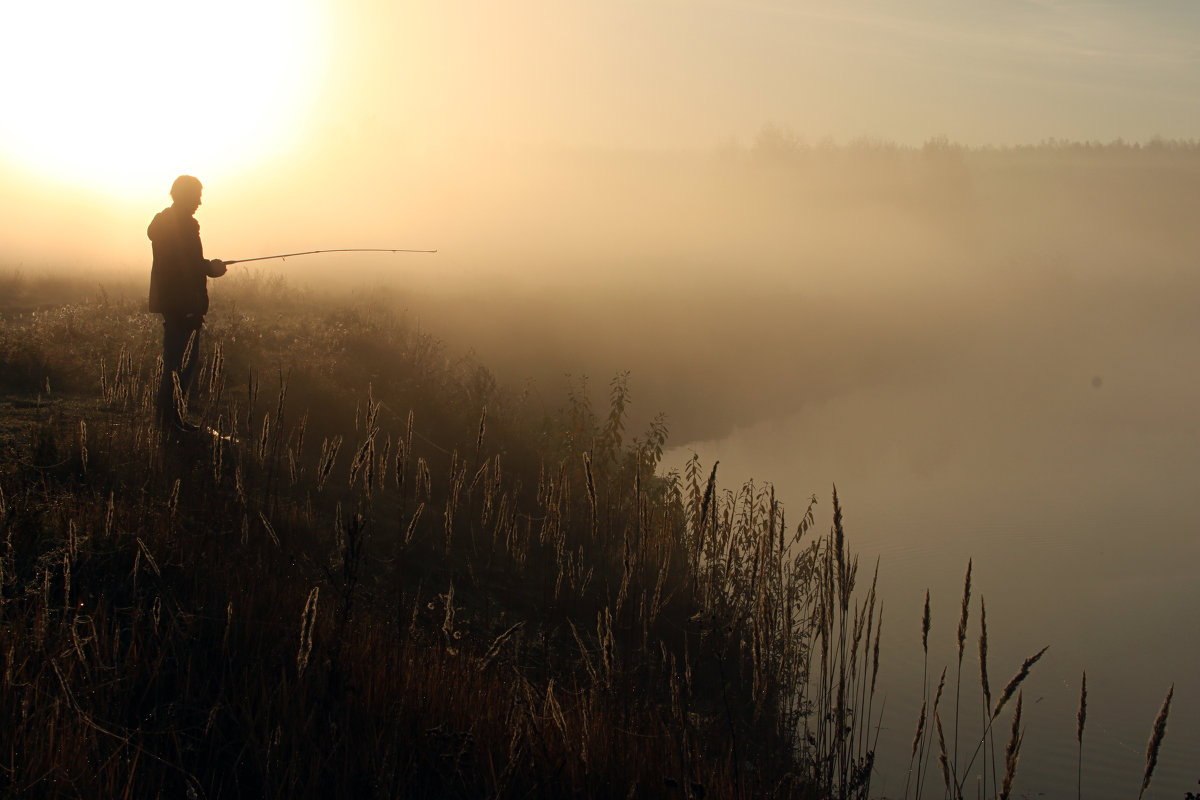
<point x="1017" y="679"/>
<point x="983" y="654"/>
<point x="966" y="605"/>
<point x="925" y="625"/>
<point x="1081" y="717"/>
<point x="1156" y="739"/>
<point x="1011" y="753"/>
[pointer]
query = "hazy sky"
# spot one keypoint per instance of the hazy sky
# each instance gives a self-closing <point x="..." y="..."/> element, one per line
<point x="125" y="87"/>
<point x="665" y="72"/>
<point x="339" y="118"/>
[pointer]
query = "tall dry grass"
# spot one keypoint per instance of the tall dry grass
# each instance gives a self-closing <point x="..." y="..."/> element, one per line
<point x="978" y="763"/>
<point x="387" y="576"/>
<point x="390" y="576"/>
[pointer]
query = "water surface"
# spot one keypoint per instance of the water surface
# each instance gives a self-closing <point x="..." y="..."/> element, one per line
<point x="1069" y="474"/>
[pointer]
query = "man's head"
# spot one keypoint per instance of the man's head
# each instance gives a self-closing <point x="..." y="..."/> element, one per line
<point x="185" y="191"/>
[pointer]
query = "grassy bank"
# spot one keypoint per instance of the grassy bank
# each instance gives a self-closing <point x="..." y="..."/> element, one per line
<point x="391" y="577"/>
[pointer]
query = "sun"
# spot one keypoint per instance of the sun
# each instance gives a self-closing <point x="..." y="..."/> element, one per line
<point x="116" y="95"/>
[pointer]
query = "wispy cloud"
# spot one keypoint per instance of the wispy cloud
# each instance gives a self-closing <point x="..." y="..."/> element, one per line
<point x="1161" y="33"/>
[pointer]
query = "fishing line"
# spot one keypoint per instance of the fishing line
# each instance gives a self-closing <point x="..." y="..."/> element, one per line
<point x="339" y="250"/>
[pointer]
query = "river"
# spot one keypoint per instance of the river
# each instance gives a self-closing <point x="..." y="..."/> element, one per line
<point x="1066" y="465"/>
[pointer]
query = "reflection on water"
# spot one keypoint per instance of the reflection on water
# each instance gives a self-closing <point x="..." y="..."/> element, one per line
<point x="1077" y="500"/>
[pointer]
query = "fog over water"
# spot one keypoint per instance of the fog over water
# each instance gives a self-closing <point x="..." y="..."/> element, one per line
<point x="993" y="353"/>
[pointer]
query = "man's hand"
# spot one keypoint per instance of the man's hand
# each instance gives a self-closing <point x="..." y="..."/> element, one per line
<point x="216" y="268"/>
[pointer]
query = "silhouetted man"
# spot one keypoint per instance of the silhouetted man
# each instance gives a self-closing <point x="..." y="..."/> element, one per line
<point x="179" y="291"/>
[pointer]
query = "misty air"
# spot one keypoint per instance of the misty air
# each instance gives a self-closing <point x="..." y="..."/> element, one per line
<point x="607" y="400"/>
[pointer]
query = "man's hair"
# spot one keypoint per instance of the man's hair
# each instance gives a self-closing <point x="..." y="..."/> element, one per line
<point x="185" y="186"/>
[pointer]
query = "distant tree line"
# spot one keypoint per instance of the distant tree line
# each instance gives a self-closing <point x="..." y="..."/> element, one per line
<point x="776" y="141"/>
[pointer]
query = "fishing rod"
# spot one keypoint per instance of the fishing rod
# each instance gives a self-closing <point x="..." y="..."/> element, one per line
<point x="339" y="250"/>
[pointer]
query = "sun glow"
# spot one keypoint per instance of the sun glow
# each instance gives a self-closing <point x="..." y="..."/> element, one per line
<point x="120" y="94"/>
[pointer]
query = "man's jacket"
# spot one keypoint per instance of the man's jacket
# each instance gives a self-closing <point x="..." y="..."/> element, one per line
<point x="179" y="275"/>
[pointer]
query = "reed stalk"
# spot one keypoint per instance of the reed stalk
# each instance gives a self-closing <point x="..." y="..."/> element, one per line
<point x="1011" y="753"/>
<point x="918" y="740"/>
<point x="1080" y="721"/>
<point x="962" y="638"/>
<point x="1009" y="689"/>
